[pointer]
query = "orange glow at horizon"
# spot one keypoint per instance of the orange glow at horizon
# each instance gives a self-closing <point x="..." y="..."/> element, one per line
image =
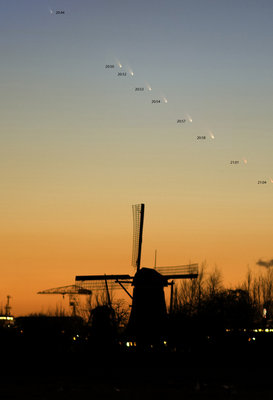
<point x="35" y="262"/>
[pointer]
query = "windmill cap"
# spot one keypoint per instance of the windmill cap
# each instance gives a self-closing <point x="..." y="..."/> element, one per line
<point x="148" y="277"/>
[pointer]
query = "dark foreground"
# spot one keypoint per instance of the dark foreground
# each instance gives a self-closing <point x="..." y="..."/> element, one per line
<point x="141" y="384"/>
<point x="39" y="364"/>
<point x="134" y="376"/>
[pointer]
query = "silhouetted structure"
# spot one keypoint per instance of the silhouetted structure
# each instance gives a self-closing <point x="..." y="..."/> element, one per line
<point x="148" y="315"/>
<point x="72" y="291"/>
<point x="103" y="333"/>
<point x="6" y="319"/>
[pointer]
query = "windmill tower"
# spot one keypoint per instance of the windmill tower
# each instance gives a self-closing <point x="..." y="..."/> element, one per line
<point x="148" y="311"/>
<point x="148" y="314"/>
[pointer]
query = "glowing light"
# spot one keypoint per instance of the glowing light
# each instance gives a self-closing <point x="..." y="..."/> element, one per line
<point x="165" y="100"/>
<point x="271" y="180"/>
<point x="245" y="160"/>
<point x="189" y="118"/>
<point x="148" y="87"/>
<point x="119" y="63"/>
<point x="130" y="344"/>
<point x="7" y="318"/>
<point x="211" y="135"/>
<point x="51" y="11"/>
<point x="131" y="72"/>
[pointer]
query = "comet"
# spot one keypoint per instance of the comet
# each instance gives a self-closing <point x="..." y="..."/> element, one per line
<point x="148" y="87"/>
<point x="119" y="64"/>
<point x="271" y="180"/>
<point x="211" y="135"/>
<point x="51" y="11"/>
<point x="165" y="100"/>
<point x="189" y="118"/>
<point x="131" y="72"/>
<point x="245" y="160"/>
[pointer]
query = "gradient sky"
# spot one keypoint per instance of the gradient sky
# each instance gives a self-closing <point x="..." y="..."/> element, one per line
<point x="79" y="145"/>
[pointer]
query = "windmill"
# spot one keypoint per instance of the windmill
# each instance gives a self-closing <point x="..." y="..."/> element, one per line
<point x="148" y="309"/>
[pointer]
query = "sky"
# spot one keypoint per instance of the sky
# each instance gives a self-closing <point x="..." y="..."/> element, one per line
<point x="79" y="145"/>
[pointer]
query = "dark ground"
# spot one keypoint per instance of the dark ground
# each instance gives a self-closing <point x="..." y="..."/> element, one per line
<point x="142" y="384"/>
<point x="130" y="377"/>
<point x="41" y="365"/>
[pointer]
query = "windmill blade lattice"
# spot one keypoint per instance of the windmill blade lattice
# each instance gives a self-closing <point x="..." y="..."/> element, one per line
<point x="138" y="219"/>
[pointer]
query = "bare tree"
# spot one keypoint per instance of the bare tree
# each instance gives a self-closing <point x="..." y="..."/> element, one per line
<point x="214" y="282"/>
<point x="188" y="295"/>
<point x="260" y="290"/>
<point x="122" y="312"/>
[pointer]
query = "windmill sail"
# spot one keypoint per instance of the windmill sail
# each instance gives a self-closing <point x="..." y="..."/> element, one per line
<point x="138" y="219"/>
<point x="189" y="271"/>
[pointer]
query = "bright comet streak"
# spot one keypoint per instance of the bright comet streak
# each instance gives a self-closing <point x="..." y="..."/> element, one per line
<point x="119" y="64"/>
<point x="148" y="87"/>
